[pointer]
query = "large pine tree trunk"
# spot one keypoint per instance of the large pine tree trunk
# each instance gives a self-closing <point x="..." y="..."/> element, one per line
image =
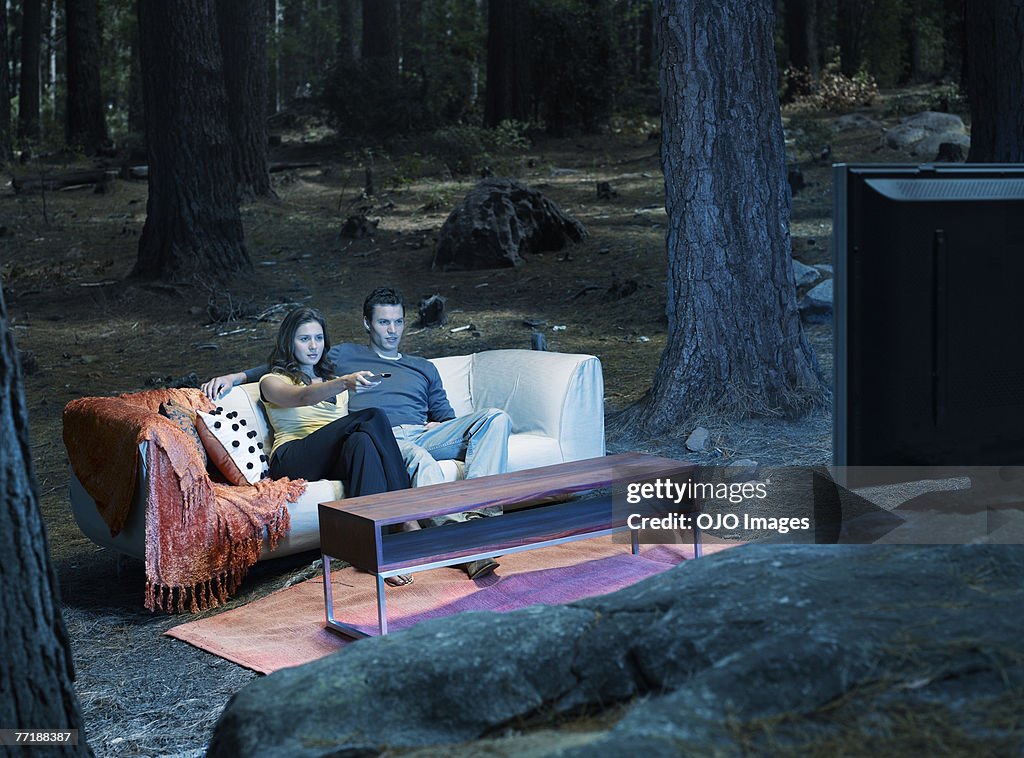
<point x="995" y="80"/>
<point x="5" y="90"/>
<point x="84" y="121"/>
<point x="243" y="44"/>
<point x="36" y="669"/>
<point x="193" y="227"/>
<point x="28" y="85"/>
<point x="508" y="61"/>
<point x="349" y="34"/>
<point x="381" y="38"/>
<point x="802" y="35"/>
<point x="735" y="342"/>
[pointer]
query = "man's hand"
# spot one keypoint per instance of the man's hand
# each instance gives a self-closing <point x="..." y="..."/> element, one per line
<point x="432" y="424"/>
<point x="216" y="387"/>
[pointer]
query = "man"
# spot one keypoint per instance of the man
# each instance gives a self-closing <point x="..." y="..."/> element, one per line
<point x="408" y="388"/>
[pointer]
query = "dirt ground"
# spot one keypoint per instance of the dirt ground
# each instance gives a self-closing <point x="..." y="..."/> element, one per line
<point x="83" y="331"/>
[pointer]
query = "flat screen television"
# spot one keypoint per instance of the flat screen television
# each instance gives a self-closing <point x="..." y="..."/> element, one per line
<point x="928" y="315"/>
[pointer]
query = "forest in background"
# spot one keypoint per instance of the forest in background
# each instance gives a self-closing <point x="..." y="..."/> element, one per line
<point x="70" y="71"/>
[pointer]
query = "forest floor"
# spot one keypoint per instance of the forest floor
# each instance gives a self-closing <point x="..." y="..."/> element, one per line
<point x="83" y="330"/>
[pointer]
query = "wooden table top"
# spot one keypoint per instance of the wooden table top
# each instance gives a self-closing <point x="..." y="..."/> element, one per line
<point x="514" y="488"/>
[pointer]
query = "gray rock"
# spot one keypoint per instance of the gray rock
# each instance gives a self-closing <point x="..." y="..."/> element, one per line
<point x="854" y="121"/>
<point x="816" y="306"/>
<point x="804" y="274"/>
<point x="934" y="121"/>
<point x="741" y="470"/>
<point x="698" y="440"/>
<point x="498" y="222"/>
<point x="824" y="268"/>
<point x="904" y="137"/>
<point x="755" y="650"/>
<point x="922" y="133"/>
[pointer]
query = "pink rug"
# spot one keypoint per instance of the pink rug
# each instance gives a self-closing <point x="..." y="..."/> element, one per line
<point x="287" y="628"/>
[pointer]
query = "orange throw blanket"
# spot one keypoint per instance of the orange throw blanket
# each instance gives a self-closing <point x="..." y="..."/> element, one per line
<point x="201" y="537"/>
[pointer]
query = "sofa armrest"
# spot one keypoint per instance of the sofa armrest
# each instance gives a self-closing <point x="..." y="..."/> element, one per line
<point x="557" y="395"/>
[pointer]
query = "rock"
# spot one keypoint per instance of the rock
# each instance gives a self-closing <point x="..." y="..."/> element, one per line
<point x="431" y="311"/>
<point x="825" y="643"/>
<point x="824" y="268"/>
<point x="922" y="133"/>
<point x="933" y="121"/>
<point x="816" y="306"/>
<point x="698" y="440"/>
<point x="854" y="121"/>
<point x="498" y="222"/>
<point x="742" y="470"/>
<point x="358" y="226"/>
<point x="605" y="191"/>
<point x="804" y="275"/>
<point x="951" y="152"/>
<point x="904" y="137"/>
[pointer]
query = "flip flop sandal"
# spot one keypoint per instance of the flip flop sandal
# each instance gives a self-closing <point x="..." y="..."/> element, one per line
<point x="398" y="580"/>
<point x="481" y="568"/>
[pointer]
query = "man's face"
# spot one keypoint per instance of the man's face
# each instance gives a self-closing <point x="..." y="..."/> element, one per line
<point x="386" y="328"/>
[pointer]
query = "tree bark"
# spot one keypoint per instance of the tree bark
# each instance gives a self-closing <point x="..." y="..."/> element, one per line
<point x="349" y="30"/>
<point x="36" y="668"/>
<point x="802" y="35"/>
<point x="381" y="43"/>
<point x="243" y="44"/>
<point x="508" y="61"/>
<point x="735" y="343"/>
<point x="85" y="124"/>
<point x="995" y="80"/>
<point x="28" y="86"/>
<point x="193" y="226"/>
<point x="5" y="90"/>
<point x="852" y="22"/>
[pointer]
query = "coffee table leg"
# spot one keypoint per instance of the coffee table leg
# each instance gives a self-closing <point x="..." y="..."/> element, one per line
<point x="328" y="595"/>
<point x="698" y="547"/>
<point x="382" y="610"/>
<point x="634" y="541"/>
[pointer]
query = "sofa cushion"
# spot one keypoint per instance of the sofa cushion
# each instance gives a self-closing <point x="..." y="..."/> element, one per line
<point x="184" y="418"/>
<point x="233" y="443"/>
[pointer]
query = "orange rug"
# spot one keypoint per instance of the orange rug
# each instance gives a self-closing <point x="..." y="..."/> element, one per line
<point x="287" y="627"/>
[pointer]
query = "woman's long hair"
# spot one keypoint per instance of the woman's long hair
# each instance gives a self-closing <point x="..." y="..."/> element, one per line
<point x="282" y="357"/>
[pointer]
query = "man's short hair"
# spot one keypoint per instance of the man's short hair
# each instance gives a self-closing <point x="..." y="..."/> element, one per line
<point x="381" y="296"/>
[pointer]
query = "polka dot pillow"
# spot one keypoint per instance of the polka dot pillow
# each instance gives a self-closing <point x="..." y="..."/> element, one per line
<point x="233" y="444"/>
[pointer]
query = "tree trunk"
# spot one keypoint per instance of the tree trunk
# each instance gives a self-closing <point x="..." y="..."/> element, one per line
<point x="136" y="108"/>
<point x="243" y="44"/>
<point x="381" y="44"/>
<point x="735" y="343"/>
<point x="193" y="227"/>
<point x="28" y="87"/>
<point x="995" y="81"/>
<point x="349" y="31"/>
<point x="36" y="668"/>
<point x="852" y="21"/>
<point x="84" y="121"/>
<point x="508" y="61"/>
<point x="5" y="90"/>
<point x="802" y="35"/>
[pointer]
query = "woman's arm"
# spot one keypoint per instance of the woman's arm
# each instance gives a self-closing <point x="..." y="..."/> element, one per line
<point x="278" y="390"/>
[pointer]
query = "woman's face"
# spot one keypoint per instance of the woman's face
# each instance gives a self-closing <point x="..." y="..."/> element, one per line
<point x="308" y="343"/>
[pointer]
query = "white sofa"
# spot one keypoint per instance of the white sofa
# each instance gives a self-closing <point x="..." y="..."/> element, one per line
<point x="555" y="401"/>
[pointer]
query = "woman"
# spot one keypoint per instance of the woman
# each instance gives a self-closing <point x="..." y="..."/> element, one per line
<point x="314" y="435"/>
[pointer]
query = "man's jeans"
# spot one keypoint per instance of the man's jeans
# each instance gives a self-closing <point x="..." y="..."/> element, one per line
<point x="480" y="439"/>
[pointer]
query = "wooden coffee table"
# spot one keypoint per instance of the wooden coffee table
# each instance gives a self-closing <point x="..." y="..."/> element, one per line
<point x="357" y="529"/>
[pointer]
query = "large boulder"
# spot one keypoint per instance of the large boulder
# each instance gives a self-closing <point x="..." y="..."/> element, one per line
<point x="921" y="134"/>
<point x="755" y="650"/>
<point x="498" y="222"/>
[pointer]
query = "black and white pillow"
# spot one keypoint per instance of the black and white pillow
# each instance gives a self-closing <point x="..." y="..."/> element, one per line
<point x="234" y="445"/>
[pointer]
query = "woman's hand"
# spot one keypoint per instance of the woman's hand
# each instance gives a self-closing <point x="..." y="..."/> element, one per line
<point x="357" y="380"/>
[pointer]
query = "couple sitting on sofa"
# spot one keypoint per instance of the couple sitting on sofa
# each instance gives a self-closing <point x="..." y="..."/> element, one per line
<point x="399" y="421"/>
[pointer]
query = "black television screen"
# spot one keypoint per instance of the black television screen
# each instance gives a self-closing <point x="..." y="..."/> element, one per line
<point x="928" y="315"/>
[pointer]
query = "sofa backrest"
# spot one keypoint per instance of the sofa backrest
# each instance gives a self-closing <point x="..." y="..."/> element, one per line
<point x="556" y="395"/>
